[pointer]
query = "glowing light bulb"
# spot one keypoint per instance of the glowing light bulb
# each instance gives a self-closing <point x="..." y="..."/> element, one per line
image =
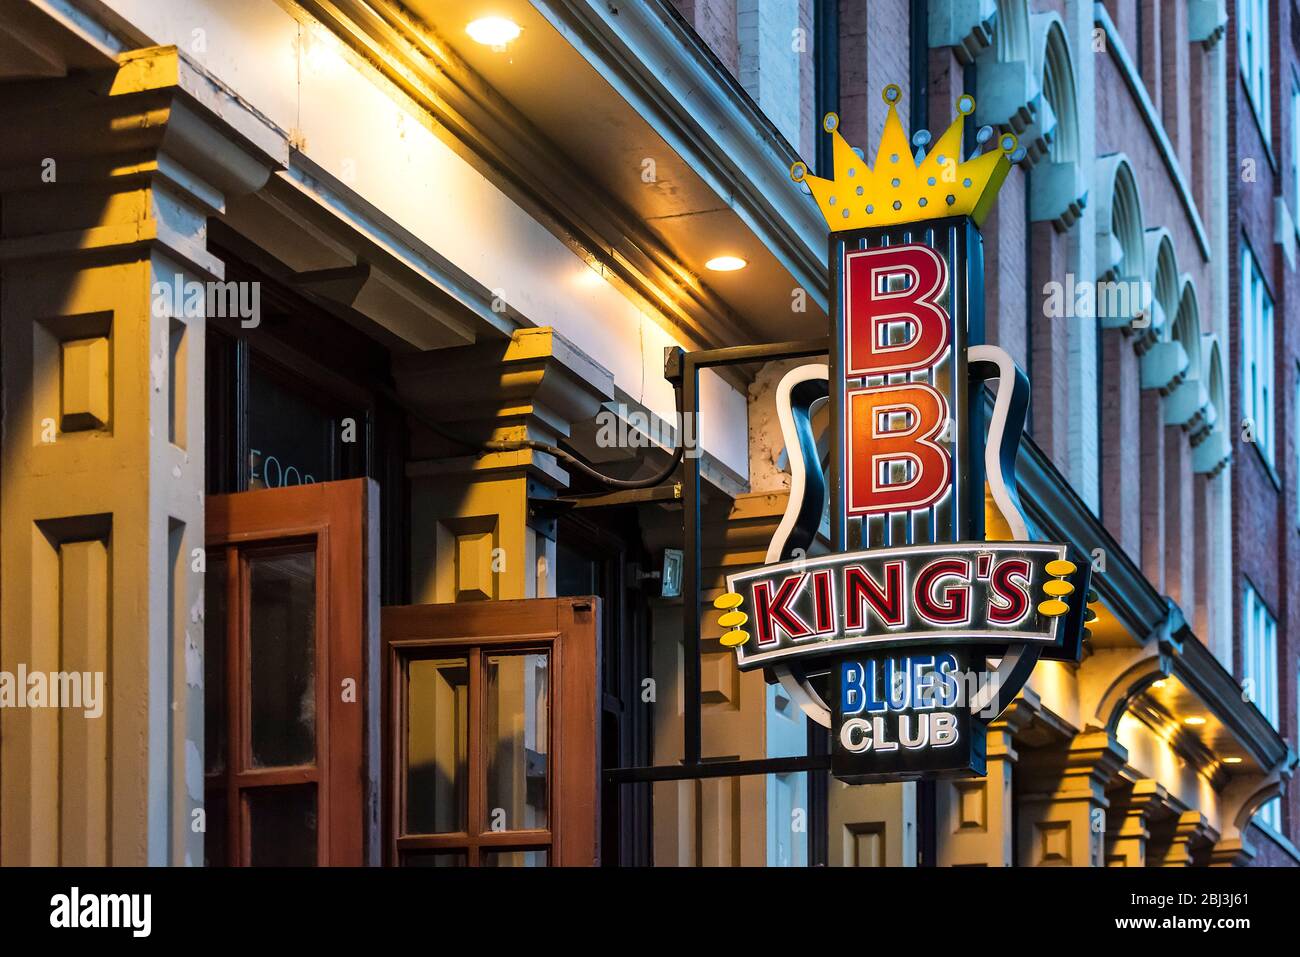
<point x="493" y="32"/>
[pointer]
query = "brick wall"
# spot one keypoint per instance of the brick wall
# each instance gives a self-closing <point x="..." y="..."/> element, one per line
<point x="1266" y="544"/>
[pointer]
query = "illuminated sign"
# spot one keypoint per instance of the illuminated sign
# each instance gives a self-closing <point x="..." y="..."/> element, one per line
<point x="971" y="593"/>
<point x="900" y="716"/>
<point x="895" y="325"/>
<point x="915" y="631"/>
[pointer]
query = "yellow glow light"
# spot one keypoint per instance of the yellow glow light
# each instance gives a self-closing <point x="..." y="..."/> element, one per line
<point x="1195" y="720"/>
<point x="1159" y="683"/>
<point x="1232" y="760"/>
<point x="726" y="263"/>
<point x="493" y="32"/>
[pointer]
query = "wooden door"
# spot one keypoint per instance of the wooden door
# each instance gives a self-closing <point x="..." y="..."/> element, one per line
<point x="492" y="736"/>
<point x="289" y="675"/>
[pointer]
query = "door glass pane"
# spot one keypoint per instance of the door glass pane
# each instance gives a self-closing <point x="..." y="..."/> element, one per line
<point x="437" y="745"/>
<point x="537" y="858"/>
<point x="282" y="658"/>
<point x="434" y="859"/>
<point x="214" y="838"/>
<point x="282" y="826"/>
<point x="516" y="740"/>
<point x="214" y="665"/>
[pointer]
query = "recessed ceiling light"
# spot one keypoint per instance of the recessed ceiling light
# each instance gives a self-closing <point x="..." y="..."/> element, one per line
<point x="493" y="31"/>
<point x="1194" y="720"/>
<point x="1232" y="760"/>
<point x="1158" y="684"/>
<point x="726" y="263"/>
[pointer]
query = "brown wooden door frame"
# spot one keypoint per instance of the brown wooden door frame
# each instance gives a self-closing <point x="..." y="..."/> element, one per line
<point x="339" y="518"/>
<point x="569" y="629"/>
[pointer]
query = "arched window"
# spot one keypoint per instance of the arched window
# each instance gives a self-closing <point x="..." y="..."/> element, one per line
<point x="1011" y="31"/>
<point x="1186" y="330"/>
<point x="1057" y="194"/>
<point x="1186" y="403"/>
<point x="1126" y="225"/>
<point x="1008" y="92"/>
<point x="1121" y="242"/>
<point x="1164" y="280"/>
<point x="1211" y="447"/>
<point x="1164" y="362"/>
<point x="1059" y="91"/>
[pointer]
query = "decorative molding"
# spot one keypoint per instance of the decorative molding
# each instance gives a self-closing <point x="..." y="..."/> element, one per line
<point x="595" y="224"/>
<point x="1205" y="676"/>
<point x="534" y="385"/>
<point x="158" y="119"/>
<point x="1057" y="192"/>
<point x="965" y="25"/>
<point x="1207" y="22"/>
<point x="1115" y="190"/>
<point x="1009" y="95"/>
<point x="1111" y="678"/>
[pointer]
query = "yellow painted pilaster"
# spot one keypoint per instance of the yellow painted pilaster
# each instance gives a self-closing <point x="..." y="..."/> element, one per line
<point x="1063" y="801"/>
<point x="474" y="534"/>
<point x="108" y="181"/>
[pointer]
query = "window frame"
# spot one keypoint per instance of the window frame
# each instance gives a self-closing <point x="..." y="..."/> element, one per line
<point x="1295" y="427"/>
<point x="569" y="629"/>
<point x="478" y="836"/>
<point x="1295" y="150"/>
<point x="1258" y="385"/>
<point x="1259" y="646"/>
<point x="330" y="519"/>
<point x="1253" y="59"/>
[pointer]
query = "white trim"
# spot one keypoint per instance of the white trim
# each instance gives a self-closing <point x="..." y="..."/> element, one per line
<point x="798" y="468"/>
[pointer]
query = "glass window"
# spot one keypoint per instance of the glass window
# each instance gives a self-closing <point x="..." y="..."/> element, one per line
<point x="1259" y="671"/>
<point x="476" y="761"/>
<point x="282" y="826"/>
<point x="433" y="859"/>
<point x="516" y="741"/>
<point x="515" y="858"/>
<point x="282" y="651"/>
<point x="437" y="745"/>
<point x="1257" y="354"/>
<point x="1295" y="149"/>
<point x="1252" y="53"/>
<point x="1259" y="653"/>
<point x="297" y="433"/>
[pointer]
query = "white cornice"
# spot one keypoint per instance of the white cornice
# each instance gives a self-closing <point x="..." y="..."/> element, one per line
<point x="663" y="70"/>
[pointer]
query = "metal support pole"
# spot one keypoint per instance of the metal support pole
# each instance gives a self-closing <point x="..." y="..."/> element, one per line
<point x="686" y="369"/>
<point x="691" y="731"/>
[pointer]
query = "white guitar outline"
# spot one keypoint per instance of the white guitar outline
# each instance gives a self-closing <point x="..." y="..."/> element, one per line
<point x="1019" y="659"/>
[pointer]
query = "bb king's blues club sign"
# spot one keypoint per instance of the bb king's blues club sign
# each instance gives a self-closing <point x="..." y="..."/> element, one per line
<point x="921" y="624"/>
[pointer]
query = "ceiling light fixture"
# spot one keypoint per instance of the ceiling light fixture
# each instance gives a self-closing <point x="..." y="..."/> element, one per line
<point x="1195" y="720"/>
<point x="493" y="32"/>
<point x="726" y="263"/>
<point x="1232" y="760"/>
<point x="1158" y="684"/>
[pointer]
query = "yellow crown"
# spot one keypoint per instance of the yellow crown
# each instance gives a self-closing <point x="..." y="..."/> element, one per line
<point x="907" y="188"/>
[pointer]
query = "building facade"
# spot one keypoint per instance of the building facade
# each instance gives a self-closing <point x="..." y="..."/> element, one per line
<point x="341" y="347"/>
<point x="1262" y="110"/>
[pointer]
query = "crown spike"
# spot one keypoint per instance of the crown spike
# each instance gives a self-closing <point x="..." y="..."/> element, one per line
<point x="903" y="186"/>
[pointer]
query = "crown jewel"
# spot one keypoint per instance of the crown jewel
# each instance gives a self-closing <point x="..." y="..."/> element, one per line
<point x="907" y="187"/>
